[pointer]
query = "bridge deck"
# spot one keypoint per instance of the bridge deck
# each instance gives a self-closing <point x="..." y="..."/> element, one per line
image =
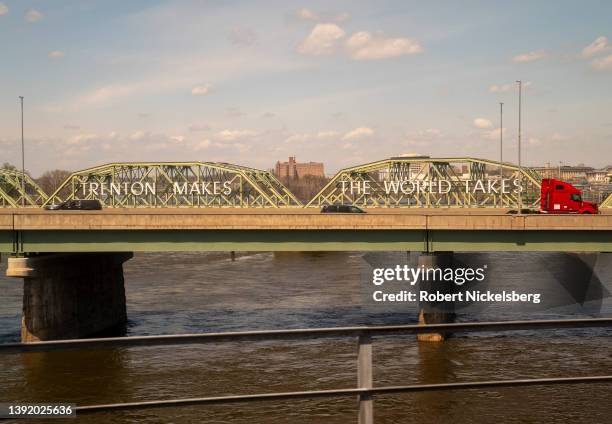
<point x="35" y="230"/>
<point x="294" y="219"/>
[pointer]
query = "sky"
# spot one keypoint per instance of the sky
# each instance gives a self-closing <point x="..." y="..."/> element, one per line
<point x="343" y="82"/>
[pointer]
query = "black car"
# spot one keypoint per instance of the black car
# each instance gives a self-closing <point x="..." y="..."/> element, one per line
<point x="76" y="205"/>
<point x="341" y="209"/>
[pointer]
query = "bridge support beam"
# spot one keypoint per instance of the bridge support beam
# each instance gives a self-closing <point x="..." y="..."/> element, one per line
<point x="435" y="312"/>
<point x="68" y="296"/>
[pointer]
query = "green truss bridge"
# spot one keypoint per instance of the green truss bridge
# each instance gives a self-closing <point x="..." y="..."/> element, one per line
<point x="402" y="182"/>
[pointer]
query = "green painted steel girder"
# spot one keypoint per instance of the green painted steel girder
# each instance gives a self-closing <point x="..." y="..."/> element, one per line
<point x="40" y="241"/>
<point x="7" y="242"/>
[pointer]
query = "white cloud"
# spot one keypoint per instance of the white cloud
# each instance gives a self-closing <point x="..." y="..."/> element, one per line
<point x="492" y="134"/>
<point x="307" y="15"/>
<point x="299" y="138"/>
<point x="482" y="123"/>
<point x="429" y="133"/>
<point x="232" y="135"/>
<point x="322" y="40"/>
<point x="357" y="133"/>
<point x="319" y="136"/>
<point x="599" y="45"/>
<point x="327" y="134"/>
<point x="137" y="135"/>
<point x="107" y="93"/>
<point x="502" y="88"/>
<point x="202" y="145"/>
<point x="200" y="90"/>
<point x="365" y="46"/>
<point x="56" y="54"/>
<point x="530" y="57"/>
<point x="602" y="63"/>
<point x="33" y="15"/>
<point x="559" y="137"/>
<point x="3" y="9"/>
<point x="81" y="138"/>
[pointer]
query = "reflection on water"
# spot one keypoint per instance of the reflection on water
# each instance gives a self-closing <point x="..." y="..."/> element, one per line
<point x="192" y="292"/>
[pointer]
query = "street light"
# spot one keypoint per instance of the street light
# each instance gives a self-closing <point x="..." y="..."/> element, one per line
<point x="520" y="197"/>
<point x="501" y="149"/>
<point x="23" y="193"/>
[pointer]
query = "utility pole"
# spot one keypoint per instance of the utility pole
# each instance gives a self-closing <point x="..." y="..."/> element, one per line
<point x="520" y="196"/>
<point x="560" y="163"/>
<point x="23" y="193"/>
<point x="501" y="149"/>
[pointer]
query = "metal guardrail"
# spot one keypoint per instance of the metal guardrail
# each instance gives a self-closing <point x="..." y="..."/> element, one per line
<point x="365" y="389"/>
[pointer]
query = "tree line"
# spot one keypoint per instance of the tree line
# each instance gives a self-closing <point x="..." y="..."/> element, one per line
<point x="306" y="187"/>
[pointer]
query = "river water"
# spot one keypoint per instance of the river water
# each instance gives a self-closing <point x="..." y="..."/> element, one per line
<point x="201" y="292"/>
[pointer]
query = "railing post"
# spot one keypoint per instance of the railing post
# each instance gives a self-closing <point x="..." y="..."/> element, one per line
<point x="364" y="379"/>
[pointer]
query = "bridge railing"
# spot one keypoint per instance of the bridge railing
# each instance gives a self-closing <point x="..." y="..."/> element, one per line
<point x="365" y="390"/>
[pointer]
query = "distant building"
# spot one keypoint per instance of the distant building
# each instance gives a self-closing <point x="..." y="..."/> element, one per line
<point x="293" y="169"/>
<point x="565" y="172"/>
<point x="578" y="173"/>
<point x="597" y="176"/>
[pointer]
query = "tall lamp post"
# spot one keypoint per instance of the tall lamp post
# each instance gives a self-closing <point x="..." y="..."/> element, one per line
<point x="501" y="149"/>
<point x="23" y="193"/>
<point x="520" y="194"/>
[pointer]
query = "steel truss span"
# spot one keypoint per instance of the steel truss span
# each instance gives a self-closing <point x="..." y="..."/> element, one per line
<point x="432" y="182"/>
<point x="12" y="193"/>
<point x="607" y="203"/>
<point x="180" y="184"/>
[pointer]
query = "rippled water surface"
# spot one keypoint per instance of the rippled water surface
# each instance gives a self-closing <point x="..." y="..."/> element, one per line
<point x="201" y="292"/>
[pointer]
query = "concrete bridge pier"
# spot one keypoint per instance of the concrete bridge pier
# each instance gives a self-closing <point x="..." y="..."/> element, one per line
<point x="73" y="295"/>
<point x="436" y="312"/>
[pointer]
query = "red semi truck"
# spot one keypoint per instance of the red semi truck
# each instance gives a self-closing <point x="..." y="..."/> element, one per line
<point x="559" y="197"/>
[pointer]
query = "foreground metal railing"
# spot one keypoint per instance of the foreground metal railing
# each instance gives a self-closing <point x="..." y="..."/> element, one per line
<point x="365" y="389"/>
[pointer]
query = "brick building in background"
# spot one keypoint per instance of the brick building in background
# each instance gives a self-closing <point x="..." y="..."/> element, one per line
<point x="293" y="169"/>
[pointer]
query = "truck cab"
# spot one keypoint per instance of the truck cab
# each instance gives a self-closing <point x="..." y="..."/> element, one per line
<point x="559" y="197"/>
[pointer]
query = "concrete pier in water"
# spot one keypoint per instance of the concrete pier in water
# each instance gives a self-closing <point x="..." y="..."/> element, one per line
<point x="73" y="295"/>
<point x="436" y="312"/>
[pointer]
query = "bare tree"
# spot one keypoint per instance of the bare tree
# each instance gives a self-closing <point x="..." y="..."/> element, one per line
<point x="305" y="188"/>
<point x="51" y="180"/>
<point x="9" y="166"/>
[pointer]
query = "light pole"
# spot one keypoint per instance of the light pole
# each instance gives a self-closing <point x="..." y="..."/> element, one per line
<point x="560" y="163"/>
<point x="22" y="158"/>
<point x="520" y="197"/>
<point x="501" y="150"/>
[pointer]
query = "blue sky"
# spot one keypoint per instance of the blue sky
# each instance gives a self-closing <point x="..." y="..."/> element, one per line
<point x="342" y="82"/>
